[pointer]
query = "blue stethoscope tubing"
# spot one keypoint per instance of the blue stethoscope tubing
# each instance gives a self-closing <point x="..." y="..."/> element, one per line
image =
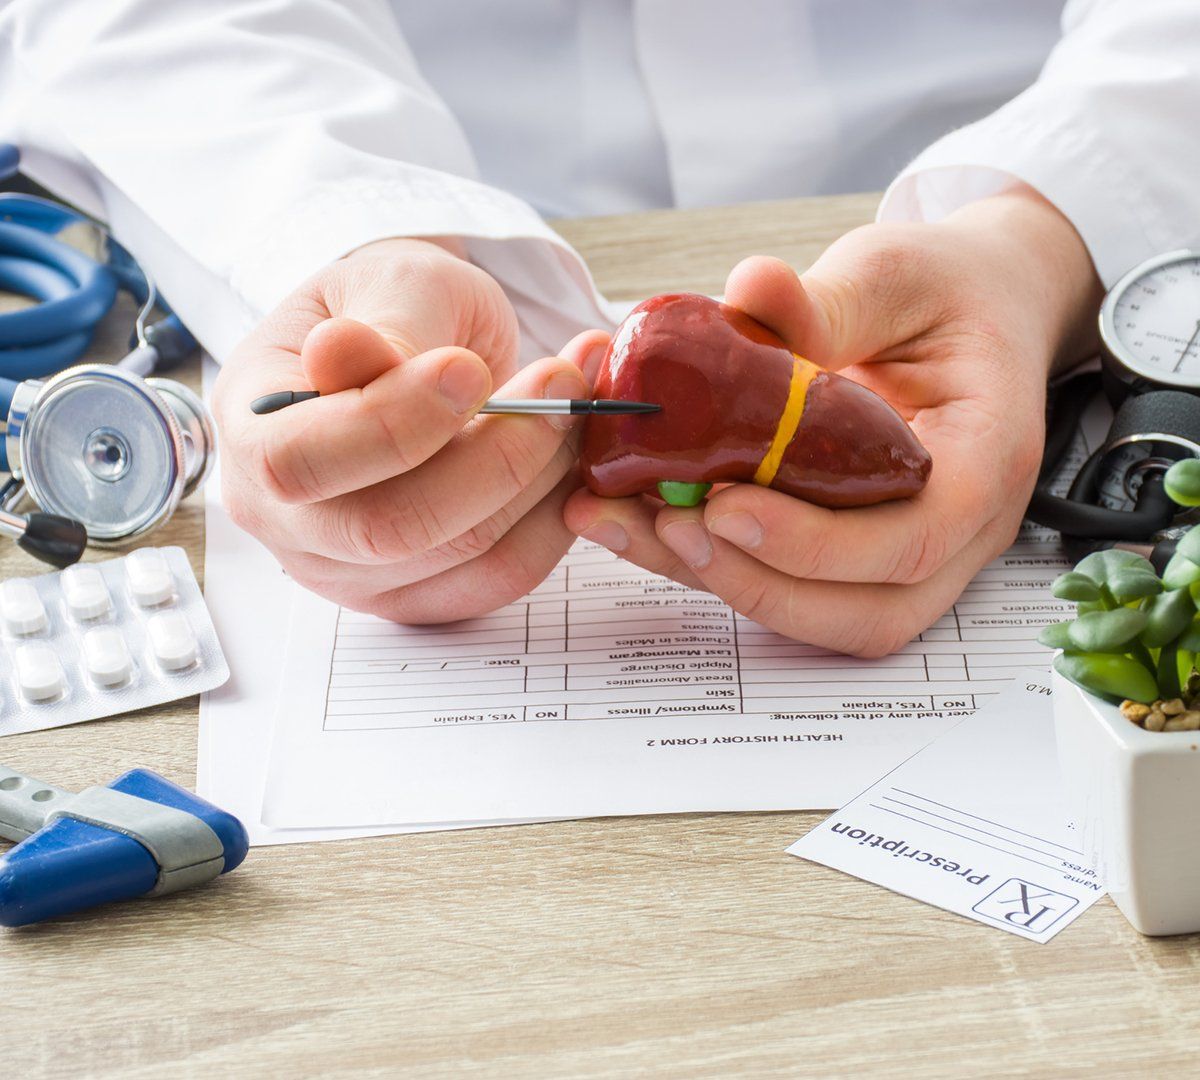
<point x="73" y="292"/>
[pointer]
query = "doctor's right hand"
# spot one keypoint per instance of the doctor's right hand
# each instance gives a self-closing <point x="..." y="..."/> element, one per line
<point x="387" y="494"/>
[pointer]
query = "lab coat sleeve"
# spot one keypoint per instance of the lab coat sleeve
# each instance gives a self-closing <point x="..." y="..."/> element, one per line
<point x="236" y="147"/>
<point x="1108" y="133"/>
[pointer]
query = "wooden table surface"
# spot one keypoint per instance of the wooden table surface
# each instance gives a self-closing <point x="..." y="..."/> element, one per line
<point x="687" y="946"/>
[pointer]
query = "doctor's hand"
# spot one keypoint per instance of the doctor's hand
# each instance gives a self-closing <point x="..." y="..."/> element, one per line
<point x="387" y="494"/>
<point x="957" y="324"/>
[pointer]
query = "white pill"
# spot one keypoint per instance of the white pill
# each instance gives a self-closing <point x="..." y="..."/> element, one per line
<point x="24" y="612"/>
<point x="150" y="578"/>
<point x="173" y="640"/>
<point x="107" y="656"/>
<point x="39" y="673"/>
<point x="85" y="592"/>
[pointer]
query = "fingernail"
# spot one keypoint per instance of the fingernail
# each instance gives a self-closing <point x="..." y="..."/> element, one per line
<point x="463" y="383"/>
<point x="689" y="540"/>
<point x="563" y="385"/>
<point x="738" y="527"/>
<point x="607" y="534"/>
<point x="591" y="362"/>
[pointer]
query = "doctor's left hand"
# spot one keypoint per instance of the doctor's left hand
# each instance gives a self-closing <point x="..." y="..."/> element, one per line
<point x="388" y="494"/>
<point x="957" y="324"/>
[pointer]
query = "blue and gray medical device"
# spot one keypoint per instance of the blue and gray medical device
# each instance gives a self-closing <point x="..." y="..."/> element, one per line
<point x="139" y="836"/>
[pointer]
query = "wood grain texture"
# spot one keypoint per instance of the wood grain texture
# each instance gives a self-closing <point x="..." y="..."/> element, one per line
<point x="687" y="946"/>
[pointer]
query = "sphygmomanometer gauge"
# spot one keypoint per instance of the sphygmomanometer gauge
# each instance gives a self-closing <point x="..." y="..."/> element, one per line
<point x="1150" y="368"/>
<point x="1150" y="327"/>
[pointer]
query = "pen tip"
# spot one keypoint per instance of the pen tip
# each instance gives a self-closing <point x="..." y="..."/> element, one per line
<point x="626" y="408"/>
<point x="270" y="403"/>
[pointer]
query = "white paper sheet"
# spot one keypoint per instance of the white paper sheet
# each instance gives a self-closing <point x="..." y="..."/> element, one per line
<point x="611" y="691"/>
<point x="250" y="600"/>
<point x="975" y="823"/>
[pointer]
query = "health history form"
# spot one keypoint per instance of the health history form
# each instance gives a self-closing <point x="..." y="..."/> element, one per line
<point x="609" y="690"/>
<point x="601" y="639"/>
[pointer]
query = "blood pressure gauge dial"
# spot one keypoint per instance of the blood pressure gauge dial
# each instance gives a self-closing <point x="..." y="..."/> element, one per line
<point x="1150" y="336"/>
<point x="1150" y="328"/>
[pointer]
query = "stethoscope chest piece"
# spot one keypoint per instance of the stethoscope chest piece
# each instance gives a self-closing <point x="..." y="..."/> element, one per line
<point x="104" y="446"/>
<point x="195" y="428"/>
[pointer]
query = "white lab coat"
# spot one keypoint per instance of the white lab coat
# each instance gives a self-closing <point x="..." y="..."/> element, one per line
<point x="236" y="146"/>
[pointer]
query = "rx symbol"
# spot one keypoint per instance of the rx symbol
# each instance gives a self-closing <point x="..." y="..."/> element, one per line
<point x="1029" y="911"/>
<point x="1031" y="907"/>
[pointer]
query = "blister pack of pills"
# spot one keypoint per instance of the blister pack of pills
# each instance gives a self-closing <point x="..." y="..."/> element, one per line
<point x="97" y="639"/>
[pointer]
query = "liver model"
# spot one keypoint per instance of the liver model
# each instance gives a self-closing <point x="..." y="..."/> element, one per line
<point x="738" y="405"/>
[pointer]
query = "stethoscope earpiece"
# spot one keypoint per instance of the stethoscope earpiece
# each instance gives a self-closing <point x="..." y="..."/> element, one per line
<point x="56" y="540"/>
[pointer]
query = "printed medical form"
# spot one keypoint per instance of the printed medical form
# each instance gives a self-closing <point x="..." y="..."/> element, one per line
<point x="602" y="640"/>
<point x="609" y="690"/>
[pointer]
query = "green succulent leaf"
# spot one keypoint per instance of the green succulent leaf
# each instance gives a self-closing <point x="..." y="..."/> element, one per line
<point x="1133" y="583"/>
<point x="1101" y="565"/>
<point x="1182" y="482"/>
<point x="1110" y="675"/>
<point x="1075" y="586"/>
<point x="1168" y="673"/>
<point x="1189" y="545"/>
<point x="1084" y="606"/>
<point x="1106" y="631"/>
<point x="1056" y="635"/>
<point x="1185" y="662"/>
<point x="1189" y="640"/>
<point x="1180" y="572"/>
<point x="1168" y="615"/>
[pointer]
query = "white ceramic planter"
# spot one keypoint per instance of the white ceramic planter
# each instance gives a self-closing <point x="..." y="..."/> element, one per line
<point x="1135" y="799"/>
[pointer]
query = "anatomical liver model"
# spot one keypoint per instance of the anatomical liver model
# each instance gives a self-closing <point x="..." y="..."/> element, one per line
<point x="737" y="404"/>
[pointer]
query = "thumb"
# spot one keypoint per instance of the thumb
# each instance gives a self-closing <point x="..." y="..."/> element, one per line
<point x="851" y="305"/>
<point x="586" y="351"/>
<point x="343" y="354"/>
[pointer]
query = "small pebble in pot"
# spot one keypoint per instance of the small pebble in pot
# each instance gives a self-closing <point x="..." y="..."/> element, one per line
<point x="1188" y="721"/>
<point x="1173" y="715"/>
<point x="1135" y="711"/>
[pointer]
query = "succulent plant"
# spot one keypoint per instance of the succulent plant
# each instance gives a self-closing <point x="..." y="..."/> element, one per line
<point x="1135" y="635"/>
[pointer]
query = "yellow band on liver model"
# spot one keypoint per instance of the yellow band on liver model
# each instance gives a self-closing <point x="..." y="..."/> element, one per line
<point x="803" y="372"/>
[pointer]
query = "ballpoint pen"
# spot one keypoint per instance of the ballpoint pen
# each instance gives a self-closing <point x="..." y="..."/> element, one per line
<point x="552" y="406"/>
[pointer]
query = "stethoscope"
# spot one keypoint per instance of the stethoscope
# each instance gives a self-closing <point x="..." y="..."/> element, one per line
<point x="1150" y="373"/>
<point x="106" y="451"/>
